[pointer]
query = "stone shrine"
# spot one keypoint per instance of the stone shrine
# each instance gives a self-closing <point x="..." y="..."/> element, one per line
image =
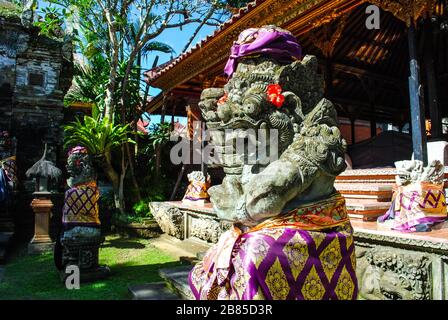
<point x="80" y="237"/>
<point x="35" y="74"/>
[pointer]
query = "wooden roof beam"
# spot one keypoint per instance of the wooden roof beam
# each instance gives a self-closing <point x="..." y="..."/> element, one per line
<point x="359" y="72"/>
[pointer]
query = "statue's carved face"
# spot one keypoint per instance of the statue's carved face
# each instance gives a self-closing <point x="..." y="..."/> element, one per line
<point x="411" y="171"/>
<point x="264" y="94"/>
<point x="79" y="167"/>
<point x="5" y="141"/>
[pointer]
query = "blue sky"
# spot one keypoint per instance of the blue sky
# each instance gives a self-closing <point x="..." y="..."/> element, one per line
<point x="177" y="39"/>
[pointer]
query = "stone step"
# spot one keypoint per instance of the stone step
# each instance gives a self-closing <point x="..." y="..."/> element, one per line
<point x="152" y="291"/>
<point x="177" y="280"/>
<point x="180" y="248"/>
<point x="5" y="241"/>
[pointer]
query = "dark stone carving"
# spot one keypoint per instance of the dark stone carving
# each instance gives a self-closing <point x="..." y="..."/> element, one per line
<point x="207" y="228"/>
<point x="390" y="274"/>
<point x="169" y="218"/>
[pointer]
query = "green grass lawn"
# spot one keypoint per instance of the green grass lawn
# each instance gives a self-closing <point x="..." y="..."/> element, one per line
<point x="132" y="261"/>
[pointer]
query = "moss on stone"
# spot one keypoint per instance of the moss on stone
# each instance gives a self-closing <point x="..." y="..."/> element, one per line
<point x="9" y="9"/>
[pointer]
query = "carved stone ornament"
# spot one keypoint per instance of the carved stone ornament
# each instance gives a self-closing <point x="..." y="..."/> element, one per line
<point x="392" y="274"/>
<point x="205" y="229"/>
<point x="169" y="218"/>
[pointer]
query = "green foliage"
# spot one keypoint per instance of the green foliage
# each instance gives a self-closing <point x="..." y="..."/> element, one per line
<point x="159" y="134"/>
<point x="50" y="24"/>
<point x="98" y="136"/>
<point x="90" y="81"/>
<point x="141" y="209"/>
<point x="10" y="9"/>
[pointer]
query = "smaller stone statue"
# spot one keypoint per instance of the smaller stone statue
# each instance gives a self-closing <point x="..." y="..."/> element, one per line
<point x="419" y="200"/>
<point x="197" y="189"/>
<point x="81" y="234"/>
<point x="8" y="164"/>
<point x="8" y="179"/>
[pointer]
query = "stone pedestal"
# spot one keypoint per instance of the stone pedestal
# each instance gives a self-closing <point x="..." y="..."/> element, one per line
<point x="41" y="240"/>
<point x="84" y="254"/>
<point x="390" y="265"/>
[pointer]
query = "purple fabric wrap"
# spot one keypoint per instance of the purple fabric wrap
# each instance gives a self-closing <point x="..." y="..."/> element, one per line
<point x="283" y="264"/>
<point x="280" y="45"/>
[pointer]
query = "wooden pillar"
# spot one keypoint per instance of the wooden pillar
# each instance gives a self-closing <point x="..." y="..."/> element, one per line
<point x="328" y="77"/>
<point x="431" y="83"/>
<point x="204" y="166"/>
<point x="352" y="126"/>
<point x="372" y="96"/>
<point x="172" y="115"/>
<point x="417" y="111"/>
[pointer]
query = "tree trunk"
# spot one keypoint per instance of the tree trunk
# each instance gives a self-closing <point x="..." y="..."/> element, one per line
<point x="124" y="105"/>
<point x="110" y="89"/>
<point x="114" y="178"/>
<point x="122" y="176"/>
<point x="159" y="147"/>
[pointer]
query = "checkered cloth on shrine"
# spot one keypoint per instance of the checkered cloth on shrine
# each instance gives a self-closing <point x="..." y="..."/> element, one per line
<point x="81" y="205"/>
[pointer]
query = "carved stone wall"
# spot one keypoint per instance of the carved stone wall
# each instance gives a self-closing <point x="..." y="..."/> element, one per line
<point x="205" y="227"/>
<point x="387" y="273"/>
<point x="393" y="267"/>
<point x="185" y="222"/>
<point x="35" y="74"/>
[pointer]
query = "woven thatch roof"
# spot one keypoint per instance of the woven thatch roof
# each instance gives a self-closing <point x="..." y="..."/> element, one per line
<point x="44" y="168"/>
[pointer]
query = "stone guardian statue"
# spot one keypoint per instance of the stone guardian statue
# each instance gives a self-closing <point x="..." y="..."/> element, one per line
<point x="291" y="237"/>
<point x="80" y="237"/>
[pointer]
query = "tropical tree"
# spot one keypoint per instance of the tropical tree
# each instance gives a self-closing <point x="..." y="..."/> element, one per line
<point x="119" y="33"/>
<point x="100" y="137"/>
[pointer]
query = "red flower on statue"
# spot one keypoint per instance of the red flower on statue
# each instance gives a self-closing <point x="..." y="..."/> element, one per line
<point x="274" y="92"/>
<point x="223" y="99"/>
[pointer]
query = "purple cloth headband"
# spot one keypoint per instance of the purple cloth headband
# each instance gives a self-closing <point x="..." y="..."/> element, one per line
<point x="279" y="44"/>
<point x="77" y="149"/>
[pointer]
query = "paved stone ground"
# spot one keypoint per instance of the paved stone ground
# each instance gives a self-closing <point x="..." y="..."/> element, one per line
<point x="177" y="280"/>
<point x="175" y="285"/>
<point x="180" y="249"/>
<point x="152" y="291"/>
